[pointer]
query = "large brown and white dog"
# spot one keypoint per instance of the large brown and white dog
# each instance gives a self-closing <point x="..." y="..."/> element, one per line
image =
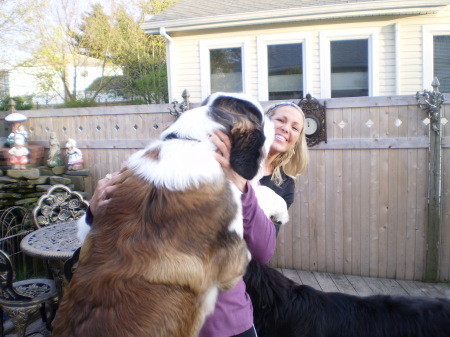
<point x="171" y="236"/>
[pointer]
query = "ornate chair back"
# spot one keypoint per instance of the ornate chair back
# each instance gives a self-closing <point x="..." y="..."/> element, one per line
<point x="22" y="299"/>
<point x="6" y="279"/>
<point x="59" y="204"/>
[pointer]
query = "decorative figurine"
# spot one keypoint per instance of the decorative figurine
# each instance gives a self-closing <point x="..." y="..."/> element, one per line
<point x="19" y="153"/>
<point x="54" y="154"/>
<point x="74" y="155"/>
<point x="17" y="128"/>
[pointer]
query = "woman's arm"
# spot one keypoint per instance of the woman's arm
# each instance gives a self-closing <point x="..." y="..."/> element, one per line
<point x="259" y="231"/>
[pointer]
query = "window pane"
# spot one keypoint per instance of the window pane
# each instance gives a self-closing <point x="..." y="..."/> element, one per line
<point x="349" y="68"/>
<point x="226" y="70"/>
<point x="442" y="62"/>
<point x="285" y="71"/>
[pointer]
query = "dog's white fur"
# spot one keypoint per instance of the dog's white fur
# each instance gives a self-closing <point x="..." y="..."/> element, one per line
<point x="272" y="204"/>
<point x="82" y="229"/>
<point x="166" y="172"/>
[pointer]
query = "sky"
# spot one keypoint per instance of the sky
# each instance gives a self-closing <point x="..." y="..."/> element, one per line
<point x="16" y="46"/>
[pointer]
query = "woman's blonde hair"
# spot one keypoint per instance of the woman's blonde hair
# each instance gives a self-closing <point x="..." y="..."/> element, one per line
<point x="295" y="161"/>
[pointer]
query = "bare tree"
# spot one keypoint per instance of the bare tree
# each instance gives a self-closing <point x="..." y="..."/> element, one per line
<point x="17" y="22"/>
<point x="69" y="38"/>
<point x="60" y="54"/>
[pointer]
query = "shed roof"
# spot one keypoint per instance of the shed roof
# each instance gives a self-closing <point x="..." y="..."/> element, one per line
<point x="188" y="15"/>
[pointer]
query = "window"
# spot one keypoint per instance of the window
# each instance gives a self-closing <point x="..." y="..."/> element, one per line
<point x="223" y="66"/>
<point x="282" y="61"/>
<point x="436" y="56"/>
<point x="226" y="70"/>
<point x="349" y="64"/>
<point x="349" y="68"/>
<point x="285" y="71"/>
<point x="441" y="61"/>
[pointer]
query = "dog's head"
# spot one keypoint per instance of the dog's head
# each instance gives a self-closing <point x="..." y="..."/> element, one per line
<point x="243" y="119"/>
<point x="239" y="116"/>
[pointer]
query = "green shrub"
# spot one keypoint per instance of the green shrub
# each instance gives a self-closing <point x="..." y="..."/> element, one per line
<point x="22" y="103"/>
<point x="79" y="103"/>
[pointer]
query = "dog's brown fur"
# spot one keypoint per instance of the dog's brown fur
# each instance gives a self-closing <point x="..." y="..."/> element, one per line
<point x="146" y="270"/>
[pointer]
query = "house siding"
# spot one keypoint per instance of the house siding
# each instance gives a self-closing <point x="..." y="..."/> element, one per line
<point x="407" y="79"/>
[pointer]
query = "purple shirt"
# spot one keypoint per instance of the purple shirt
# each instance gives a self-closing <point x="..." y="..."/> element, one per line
<point x="234" y="311"/>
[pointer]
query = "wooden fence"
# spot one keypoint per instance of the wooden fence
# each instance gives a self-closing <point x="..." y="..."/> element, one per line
<point x="361" y="207"/>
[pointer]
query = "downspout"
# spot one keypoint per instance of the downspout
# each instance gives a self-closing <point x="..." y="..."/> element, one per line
<point x="163" y="33"/>
<point x="169" y="55"/>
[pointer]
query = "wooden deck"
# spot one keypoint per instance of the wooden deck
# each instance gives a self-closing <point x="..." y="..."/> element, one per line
<point x="349" y="284"/>
<point x="366" y="286"/>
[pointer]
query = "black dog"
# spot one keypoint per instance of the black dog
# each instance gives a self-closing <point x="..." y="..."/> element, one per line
<point x="283" y="308"/>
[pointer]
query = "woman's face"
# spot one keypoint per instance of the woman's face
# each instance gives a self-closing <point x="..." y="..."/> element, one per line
<point x="288" y="127"/>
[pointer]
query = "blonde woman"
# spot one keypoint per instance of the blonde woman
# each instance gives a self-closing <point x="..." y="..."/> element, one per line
<point x="287" y="158"/>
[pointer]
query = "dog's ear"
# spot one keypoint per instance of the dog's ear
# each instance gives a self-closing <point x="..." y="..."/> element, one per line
<point x="224" y="118"/>
<point x="246" y="151"/>
<point x="243" y="121"/>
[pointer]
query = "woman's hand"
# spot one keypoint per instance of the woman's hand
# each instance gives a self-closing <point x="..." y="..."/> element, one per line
<point x="222" y="142"/>
<point x="102" y="192"/>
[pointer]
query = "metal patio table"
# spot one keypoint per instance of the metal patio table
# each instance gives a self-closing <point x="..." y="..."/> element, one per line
<point x="54" y="244"/>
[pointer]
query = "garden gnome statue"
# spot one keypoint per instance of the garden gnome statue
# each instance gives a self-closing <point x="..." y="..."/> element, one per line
<point x="74" y="156"/>
<point x="17" y="128"/>
<point x="54" y="154"/>
<point x="18" y="154"/>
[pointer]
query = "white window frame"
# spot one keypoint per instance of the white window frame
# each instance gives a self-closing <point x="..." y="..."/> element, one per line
<point x="263" y="74"/>
<point x="205" y="64"/>
<point x="428" y="33"/>
<point x="325" y="39"/>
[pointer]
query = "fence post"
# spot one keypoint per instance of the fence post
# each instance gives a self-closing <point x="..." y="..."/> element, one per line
<point x="185" y="94"/>
<point x="12" y="106"/>
<point x="431" y="102"/>
<point x="183" y="106"/>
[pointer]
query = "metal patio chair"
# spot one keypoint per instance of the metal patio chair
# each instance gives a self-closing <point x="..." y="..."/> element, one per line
<point x="59" y="204"/>
<point x="21" y="300"/>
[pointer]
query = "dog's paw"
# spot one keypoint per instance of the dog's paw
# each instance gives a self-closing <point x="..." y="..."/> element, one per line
<point x="281" y="217"/>
<point x="272" y="204"/>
